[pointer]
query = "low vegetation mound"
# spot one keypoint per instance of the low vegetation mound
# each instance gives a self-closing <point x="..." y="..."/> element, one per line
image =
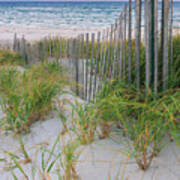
<point x="28" y="96"/>
<point x="8" y="57"/>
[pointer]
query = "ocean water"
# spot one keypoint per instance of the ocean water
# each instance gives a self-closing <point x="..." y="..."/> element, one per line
<point x="59" y="14"/>
<point x="64" y="14"/>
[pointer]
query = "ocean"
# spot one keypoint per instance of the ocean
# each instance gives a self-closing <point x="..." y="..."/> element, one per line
<point x="64" y="14"/>
<point x="36" y="20"/>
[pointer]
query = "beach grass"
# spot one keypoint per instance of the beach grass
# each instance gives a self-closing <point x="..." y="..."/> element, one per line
<point x="145" y="120"/>
<point x="28" y="96"/>
<point x="8" y="57"/>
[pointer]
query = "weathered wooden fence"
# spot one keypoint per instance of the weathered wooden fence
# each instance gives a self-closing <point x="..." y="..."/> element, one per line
<point x="136" y="49"/>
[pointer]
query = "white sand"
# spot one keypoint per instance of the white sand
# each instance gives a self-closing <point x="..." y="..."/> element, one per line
<point x="39" y="33"/>
<point x="101" y="160"/>
<point x="35" y="34"/>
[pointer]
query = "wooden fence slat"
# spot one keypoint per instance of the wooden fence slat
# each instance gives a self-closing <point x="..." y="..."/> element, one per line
<point x="101" y="63"/>
<point x="87" y="59"/>
<point x="147" y="43"/>
<point x="171" y="39"/>
<point x="105" y="54"/>
<point x="56" y="48"/>
<point x="102" y="46"/>
<point x="53" y="47"/>
<point x="165" y="18"/>
<point x="137" y="40"/>
<point x="108" y="62"/>
<point x="23" y="50"/>
<point x="46" y="48"/>
<point x="156" y="47"/>
<point x="50" y="48"/>
<point x="96" y="63"/>
<point x="118" y="48"/>
<point x="130" y="43"/>
<point x="92" y="65"/>
<point x="59" y="48"/>
<point x="124" y="46"/>
<point x="15" y="43"/>
<point x="71" y="58"/>
<point x="111" y="53"/>
<point x="82" y="64"/>
<point x="121" y="46"/>
<point x="75" y="47"/>
<point x="114" y="62"/>
<point x="62" y="47"/>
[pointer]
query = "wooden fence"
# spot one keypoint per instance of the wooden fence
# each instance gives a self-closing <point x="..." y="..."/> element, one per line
<point x="136" y="49"/>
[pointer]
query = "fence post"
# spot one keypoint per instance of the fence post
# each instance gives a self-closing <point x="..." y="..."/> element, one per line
<point x="165" y="19"/>
<point x="23" y="50"/>
<point x="124" y="46"/>
<point x="108" y="63"/>
<point x="137" y="40"/>
<point x="92" y="64"/>
<point x="147" y="8"/>
<point x="50" y="49"/>
<point x="105" y="52"/>
<point x="87" y="59"/>
<point x="121" y="45"/>
<point x="171" y="39"/>
<point x="59" y="49"/>
<point x="75" y="47"/>
<point x="115" y="42"/>
<point x="96" y="63"/>
<point x="15" y="43"/>
<point x="101" y="65"/>
<point x="82" y="64"/>
<point x="130" y="43"/>
<point x="54" y="47"/>
<point x="118" y="47"/>
<point x="156" y="47"/>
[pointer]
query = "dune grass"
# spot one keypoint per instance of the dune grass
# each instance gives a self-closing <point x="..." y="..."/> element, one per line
<point x="28" y="96"/>
<point x="8" y="57"/>
<point x="145" y="120"/>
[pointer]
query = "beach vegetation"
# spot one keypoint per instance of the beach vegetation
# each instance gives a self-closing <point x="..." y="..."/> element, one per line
<point x="53" y="161"/>
<point x="145" y="120"/>
<point x="148" y="120"/>
<point x="8" y="57"/>
<point x="29" y="96"/>
<point x="84" y="122"/>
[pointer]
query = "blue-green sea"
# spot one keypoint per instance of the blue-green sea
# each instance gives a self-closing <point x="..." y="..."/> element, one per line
<point x="64" y="14"/>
